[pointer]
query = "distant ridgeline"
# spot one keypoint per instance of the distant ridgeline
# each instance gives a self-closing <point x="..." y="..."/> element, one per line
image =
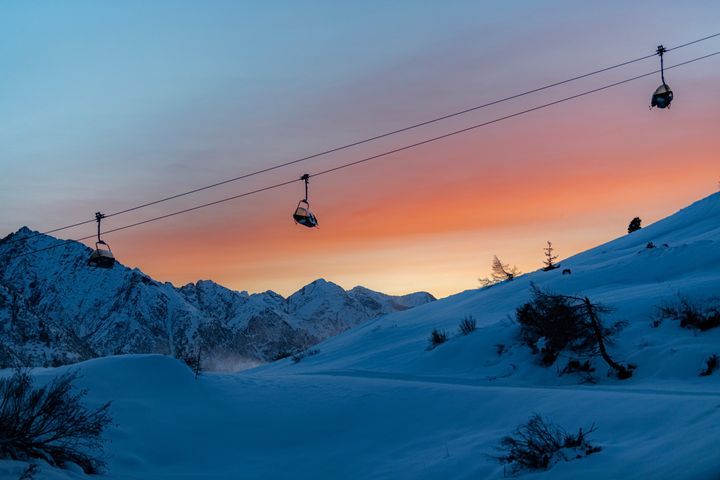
<point x="54" y="310"/>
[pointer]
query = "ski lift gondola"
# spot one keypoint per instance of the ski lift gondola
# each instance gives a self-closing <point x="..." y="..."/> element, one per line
<point x="303" y="216"/>
<point x="663" y="95"/>
<point x="102" y="256"/>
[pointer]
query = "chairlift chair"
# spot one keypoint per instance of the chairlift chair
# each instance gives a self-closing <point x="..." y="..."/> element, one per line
<point x="303" y="216"/>
<point x="102" y="256"/>
<point x="663" y="96"/>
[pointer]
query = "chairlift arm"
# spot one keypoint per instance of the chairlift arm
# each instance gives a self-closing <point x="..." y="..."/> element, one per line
<point x="306" y="178"/>
<point x="660" y="51"/>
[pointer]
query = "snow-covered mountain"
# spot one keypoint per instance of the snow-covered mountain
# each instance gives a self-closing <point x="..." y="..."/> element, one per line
<point x="56" y="310"/>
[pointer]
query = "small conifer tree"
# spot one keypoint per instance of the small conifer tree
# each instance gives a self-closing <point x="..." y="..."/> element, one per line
<point x="635" y="225"/>
<point x="550" y="258"/>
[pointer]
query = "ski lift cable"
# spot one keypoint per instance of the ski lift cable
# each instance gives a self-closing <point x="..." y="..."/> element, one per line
<point x="161" y="217"/>
<point x="384" y="154"/>
<point x="370" y="139"/>
<point x="512" y="115"/>
<point x="692" y="42"/>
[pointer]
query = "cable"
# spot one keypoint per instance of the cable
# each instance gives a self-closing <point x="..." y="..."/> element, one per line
<point x="371" y="139"/>
<point x="390" y="152"/>
<point x="512" y="115"/>
<point x="694" y="42"/>
<point x="154" y="219"/>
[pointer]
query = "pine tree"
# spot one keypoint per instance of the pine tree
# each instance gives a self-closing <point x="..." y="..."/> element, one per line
<point x="634" y="225"/>
<point x="550" y="258"/>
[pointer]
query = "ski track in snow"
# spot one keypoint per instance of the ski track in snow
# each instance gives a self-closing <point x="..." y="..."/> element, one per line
<point x="481" y="383"/>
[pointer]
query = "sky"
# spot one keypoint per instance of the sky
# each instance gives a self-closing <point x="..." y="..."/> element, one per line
<point x="107" y="105"/>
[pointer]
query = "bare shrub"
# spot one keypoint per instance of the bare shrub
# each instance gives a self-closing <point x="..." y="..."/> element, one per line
<point x="282" y="354"/>
<point x="538" y="444"/>
<point x="50" y="422"/>
<point x="437" y="337"/>
<point x="711" y="364"/>
<point x="500" y="272"/>
<point x="574" y="366"/>
<point x="299" y="356"/>
<point x="467" y="325"/>
<point x="582" y="368"/>
<point x="551" y="323"/>
<point x="194" y="361"/>
<point x="692" y="316"/>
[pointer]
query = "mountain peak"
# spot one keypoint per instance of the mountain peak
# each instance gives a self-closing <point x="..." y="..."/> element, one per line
<point x="21" y="233"/>
<point x="319" y="287"/>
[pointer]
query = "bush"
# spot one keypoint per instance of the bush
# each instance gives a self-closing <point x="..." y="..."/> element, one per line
<point x="537" y="444"/>
<point x="282" y="354"/>
<point x="692" y="316"/>
<point x="50" y="422"/>
<point x="467" y="325"/>
<point x="297" y="357"/>
<point x="437" y="337"/>
<point x="194" y="363"/>
<point x="635" y="225"/>
<point x="552" y="323"/>
<point x="584" y="369"/>
<point x="574" y="366"/>
<point x="711" y="364"/>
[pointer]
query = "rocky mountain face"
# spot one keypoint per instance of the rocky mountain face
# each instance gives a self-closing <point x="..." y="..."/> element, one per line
<point x="54" y="309"/>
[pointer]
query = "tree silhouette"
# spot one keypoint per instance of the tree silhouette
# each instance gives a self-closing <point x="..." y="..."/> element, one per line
<point x="551" y="323"/>
<point x="503" y="271"/>
<point x="634" y="225"/>
<point x="500" y="272"/>
<point x="550" y="258"/>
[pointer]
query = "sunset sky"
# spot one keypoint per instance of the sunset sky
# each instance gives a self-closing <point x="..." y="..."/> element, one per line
<point x="106" y="105"/>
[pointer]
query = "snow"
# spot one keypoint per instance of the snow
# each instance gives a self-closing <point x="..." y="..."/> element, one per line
<point x="375" y="403"/>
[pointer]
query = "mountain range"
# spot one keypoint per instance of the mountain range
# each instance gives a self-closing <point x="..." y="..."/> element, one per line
<point x="55" y="310"/>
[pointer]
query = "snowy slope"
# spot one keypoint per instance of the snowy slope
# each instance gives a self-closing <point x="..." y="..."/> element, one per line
<point x="623" y="274"/>
<point x="375" y="403"/>
<point x="124" y="311"/>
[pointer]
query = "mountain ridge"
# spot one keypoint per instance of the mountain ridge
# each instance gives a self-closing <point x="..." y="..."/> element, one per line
<point x="123" y="310"/>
